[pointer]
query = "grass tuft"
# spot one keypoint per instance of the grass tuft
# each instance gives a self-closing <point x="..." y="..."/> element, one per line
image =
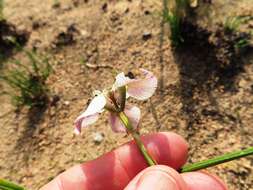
<point x="232" y="24"/>
<point x="174" y="15"/>
<point x="28" y="80"/>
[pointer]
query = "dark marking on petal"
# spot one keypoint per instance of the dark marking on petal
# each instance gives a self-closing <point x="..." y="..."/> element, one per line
<point x="130" y="75"/>
<point x="88" y="101"/>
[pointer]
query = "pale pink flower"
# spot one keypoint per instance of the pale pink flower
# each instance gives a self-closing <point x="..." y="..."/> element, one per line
<point x="91" y="114"/>
<point x="140" y="89"/>
<point x="132" y="112"/>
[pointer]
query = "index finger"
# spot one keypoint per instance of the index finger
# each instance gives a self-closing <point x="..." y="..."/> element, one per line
<point x="115" y="169"/>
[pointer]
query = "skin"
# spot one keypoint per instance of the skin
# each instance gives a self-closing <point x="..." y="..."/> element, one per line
<point x="125" y="168"/>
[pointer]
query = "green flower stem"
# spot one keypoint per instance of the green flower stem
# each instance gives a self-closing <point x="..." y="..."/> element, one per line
<point x="150" y="161"/>
<point x="217" y="160"/>
<point x="7" y="185"/>
<point x="122" y="91"/>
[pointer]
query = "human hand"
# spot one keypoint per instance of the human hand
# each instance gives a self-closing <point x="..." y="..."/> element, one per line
<point x="125" y="168"/>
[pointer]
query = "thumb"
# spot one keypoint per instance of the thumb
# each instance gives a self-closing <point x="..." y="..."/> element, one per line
<point x="159" y="178"/>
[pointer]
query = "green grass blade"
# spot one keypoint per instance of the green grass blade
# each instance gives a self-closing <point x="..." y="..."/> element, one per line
<point x="217" y="160"/>
<point x="33" y="60"/>
<point x="7" y="185"/>
<point x="19" y="64"/>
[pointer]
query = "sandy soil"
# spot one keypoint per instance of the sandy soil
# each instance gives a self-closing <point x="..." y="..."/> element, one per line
<point x="213" y="110"/>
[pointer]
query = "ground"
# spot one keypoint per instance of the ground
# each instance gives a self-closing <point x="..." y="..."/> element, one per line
<point x="88" y="41"/>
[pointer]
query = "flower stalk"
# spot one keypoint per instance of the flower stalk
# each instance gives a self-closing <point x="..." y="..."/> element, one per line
<point x="150" y="161"/>
<point x="122" y="91"/>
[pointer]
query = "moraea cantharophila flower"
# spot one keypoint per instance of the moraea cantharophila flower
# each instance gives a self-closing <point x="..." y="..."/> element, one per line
<point x="115" y="102"/>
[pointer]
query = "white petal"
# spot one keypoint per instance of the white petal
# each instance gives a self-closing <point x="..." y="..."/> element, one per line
<point x="84" y="121"/>
<point x="90" y="115"/>
<point x="142" y="89"/>
<point x="116" y="124"/>
<point x="132" y="112"/>
<point x="121" y="80"/>
<point x="77" y="130"/>
<point x="96" y="105"/>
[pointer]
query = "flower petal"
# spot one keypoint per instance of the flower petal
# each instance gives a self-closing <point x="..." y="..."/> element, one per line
<point x="84" y="121"/>
<point x="121" y="80"/>
<point x="96" y="105"/>
<point x="132" y="112"/>
<point x="90" y="115"/>
<point x="142" y="89"/>
<point x="134" y="115"/>
<point x="116" y="125"/>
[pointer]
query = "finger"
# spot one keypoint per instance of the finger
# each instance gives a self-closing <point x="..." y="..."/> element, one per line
<point x="159" y="178"/>
<point x="203" y="180"/>
<point x="115" y="169"/>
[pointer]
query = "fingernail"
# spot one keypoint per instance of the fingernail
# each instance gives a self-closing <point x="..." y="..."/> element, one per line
<point x="158" y="180"/>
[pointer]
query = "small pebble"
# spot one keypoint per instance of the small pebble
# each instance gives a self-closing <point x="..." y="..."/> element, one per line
<point x="84" y="33"/>
<point x="98" y="137"/>
<point x="66" y="103"/>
